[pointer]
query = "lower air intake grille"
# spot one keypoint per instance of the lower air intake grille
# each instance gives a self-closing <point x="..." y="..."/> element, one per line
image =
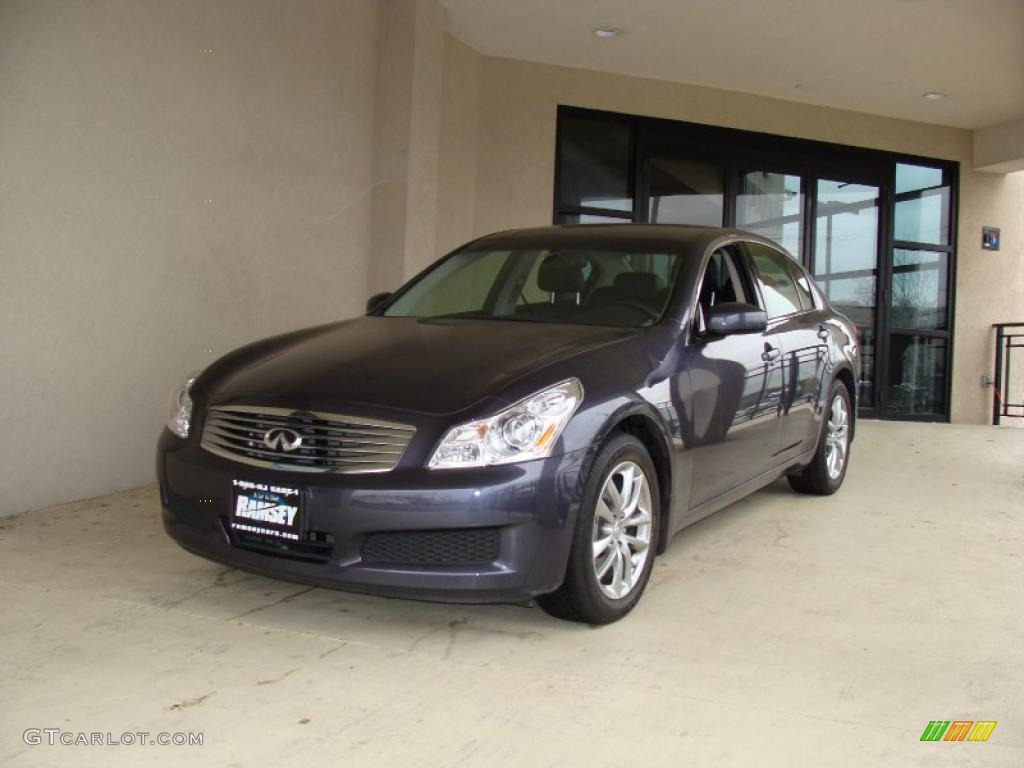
<point x="314" y="546"/>
<point x="464" y="546"/>
<point x="185" y="511"/>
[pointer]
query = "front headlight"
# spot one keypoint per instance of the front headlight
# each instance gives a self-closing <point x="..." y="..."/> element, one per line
<point x="526" y="430"/>
<point x="179" y="409"/>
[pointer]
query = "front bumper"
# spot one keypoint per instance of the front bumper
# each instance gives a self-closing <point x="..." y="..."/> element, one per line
<point x="526" y="510"/>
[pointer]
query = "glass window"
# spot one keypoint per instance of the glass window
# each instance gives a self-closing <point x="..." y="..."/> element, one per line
<point x="596" y="158"/>
<point x="589" y="287"/>
<point x="590" y="218"/>
<point x="803" y="289"/>
<point x="922" y="205"/>
<point x="684" y="192"/>
<point x="722" y="283"/>
<point x="781" y="296"/>
<point x="846" y="231"/>
<point x="846" y="262"/>
<point x="910" y="178"/>
<point x="917" y="375"/>
<point x="772" y="205"/>
<point x="919" y="280"/>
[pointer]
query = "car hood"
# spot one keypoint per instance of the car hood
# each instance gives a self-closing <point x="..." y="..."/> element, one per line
<point x="396" y="363"/>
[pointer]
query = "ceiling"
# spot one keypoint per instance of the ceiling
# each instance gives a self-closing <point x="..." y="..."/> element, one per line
<point x="875" y="56"/>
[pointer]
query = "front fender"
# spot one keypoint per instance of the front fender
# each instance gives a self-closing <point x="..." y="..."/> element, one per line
<point x="638" y="417"/>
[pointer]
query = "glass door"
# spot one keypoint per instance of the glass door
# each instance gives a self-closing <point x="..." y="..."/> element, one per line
<point x="918" y="310"/>
<point x="845" y="264"/>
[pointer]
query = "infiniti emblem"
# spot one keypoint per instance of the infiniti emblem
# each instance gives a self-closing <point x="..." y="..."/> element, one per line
<point x="282" y="439"/>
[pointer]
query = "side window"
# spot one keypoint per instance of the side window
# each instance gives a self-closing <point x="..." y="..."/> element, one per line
<point x="723" y="282"/>
<point x="803" y="290"/>
<point x="781" y="296"/>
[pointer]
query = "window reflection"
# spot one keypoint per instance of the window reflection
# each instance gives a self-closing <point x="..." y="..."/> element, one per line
<point x="910" y="178"/>
<point x="778" y="287"/>
<point x="771" y="204"/>
<point x="919" y="280"/>
<point x="922" y="205"/>
<point x="917" y="375"/>
<point x="684" y="192"/>
<point x="596" y="157"/>
<point x="846" y="262"/>
<point x="590" y="218"/>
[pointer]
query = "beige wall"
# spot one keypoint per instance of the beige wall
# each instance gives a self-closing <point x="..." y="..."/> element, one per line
<point x="460" y="127"/>
<point x="516" y="154"/>
<point x="1000" y="147"/>
<point x="117" y="276"/>
<point x="990" y="285"/>
<point x="410" y="74"/>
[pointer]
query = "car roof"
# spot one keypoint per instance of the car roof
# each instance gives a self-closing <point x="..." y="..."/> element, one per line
<point x="672" y="238"/>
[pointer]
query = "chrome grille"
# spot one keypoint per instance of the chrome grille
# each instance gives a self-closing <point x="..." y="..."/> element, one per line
<point x="330" y="442"/>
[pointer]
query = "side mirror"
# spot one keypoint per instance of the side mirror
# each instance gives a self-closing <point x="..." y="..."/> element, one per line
<point x="376" y="300"/>
<point x="736" y="317"/>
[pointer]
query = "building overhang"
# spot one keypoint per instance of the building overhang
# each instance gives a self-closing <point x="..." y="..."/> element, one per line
<point x="1000" y="148"/>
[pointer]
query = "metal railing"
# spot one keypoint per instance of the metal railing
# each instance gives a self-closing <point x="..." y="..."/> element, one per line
<point x="1009" y="336"/>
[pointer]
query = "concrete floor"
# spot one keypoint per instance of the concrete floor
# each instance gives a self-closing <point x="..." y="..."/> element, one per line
<point x="783" y="631"/>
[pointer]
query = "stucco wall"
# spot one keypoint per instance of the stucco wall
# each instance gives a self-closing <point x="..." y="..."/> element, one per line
<point x="115" y="128"/>
<point x="516" y="156"/>
<point x="460" y="125"/>
<point x="990" y="287"/>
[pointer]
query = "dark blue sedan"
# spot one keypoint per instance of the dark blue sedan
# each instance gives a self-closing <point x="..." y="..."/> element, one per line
<point x="534" y="416"/>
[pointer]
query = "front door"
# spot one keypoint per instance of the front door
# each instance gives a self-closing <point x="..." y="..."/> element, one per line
<point x="800" y="327"/>
<point x="736" y="382"/>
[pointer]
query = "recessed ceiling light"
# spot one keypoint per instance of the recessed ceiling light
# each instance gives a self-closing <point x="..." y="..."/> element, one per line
<point x="606" y="31"/>
<point x="934" y="96"/>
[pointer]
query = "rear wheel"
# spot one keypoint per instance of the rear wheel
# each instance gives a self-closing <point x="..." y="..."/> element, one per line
<point x="825" y="473"/>
<point x="614" y="539"/>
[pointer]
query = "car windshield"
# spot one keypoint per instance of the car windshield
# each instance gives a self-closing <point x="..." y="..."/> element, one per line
<point x="590" y="287"/>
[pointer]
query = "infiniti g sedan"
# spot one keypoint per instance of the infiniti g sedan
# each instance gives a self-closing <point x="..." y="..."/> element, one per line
<point x="532" y="417"/>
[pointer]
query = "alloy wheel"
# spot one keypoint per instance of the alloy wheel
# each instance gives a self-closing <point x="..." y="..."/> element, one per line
<point x="837" y="440"/>
<point x="622" y="530"/>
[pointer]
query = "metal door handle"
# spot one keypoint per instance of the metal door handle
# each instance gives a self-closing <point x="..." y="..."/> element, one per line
<point x="823" y="333"/>
<point x="770" y="353"/>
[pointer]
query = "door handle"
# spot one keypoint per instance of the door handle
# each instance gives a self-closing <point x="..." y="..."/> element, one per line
<point x="823" y="333"/>
<point x="770" y="353"/>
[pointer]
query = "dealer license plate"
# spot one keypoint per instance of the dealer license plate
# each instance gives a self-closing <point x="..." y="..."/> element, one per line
<point x="266" y="510"/>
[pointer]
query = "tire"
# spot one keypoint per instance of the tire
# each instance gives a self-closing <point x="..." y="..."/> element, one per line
<point x="817" y="477"/>
<point x="584" y="595"/>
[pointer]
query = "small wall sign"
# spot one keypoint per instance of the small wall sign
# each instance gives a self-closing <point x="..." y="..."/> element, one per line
<point x="990" y="238"/>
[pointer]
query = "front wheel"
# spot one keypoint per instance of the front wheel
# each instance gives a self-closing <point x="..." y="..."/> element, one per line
<point x="615" y="536"/>
<point x="825" y="473"/>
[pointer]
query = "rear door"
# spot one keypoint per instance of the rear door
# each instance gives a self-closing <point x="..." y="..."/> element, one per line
<point x="799" y="326"/>
<point x="736" y="380"/>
